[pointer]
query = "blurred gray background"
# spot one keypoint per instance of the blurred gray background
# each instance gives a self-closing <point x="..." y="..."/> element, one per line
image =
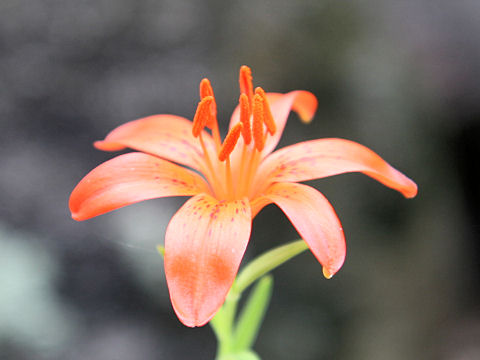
<point x="401" y="77"/>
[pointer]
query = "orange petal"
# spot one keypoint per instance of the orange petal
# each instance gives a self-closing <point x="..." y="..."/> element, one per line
<point x="315" y="220"/>
<point x="167" y="136"/>
<point x="326" y="157"/>
<point x="204" y="245"/>
<point x="128" y="179"/>
<point x="300" y="101"/>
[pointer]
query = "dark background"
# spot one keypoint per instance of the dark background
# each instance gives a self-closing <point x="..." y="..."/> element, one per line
<point x="401" y="77"/>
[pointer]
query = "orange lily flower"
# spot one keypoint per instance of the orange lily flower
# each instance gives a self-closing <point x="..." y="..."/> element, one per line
<point x="229" y="184"/>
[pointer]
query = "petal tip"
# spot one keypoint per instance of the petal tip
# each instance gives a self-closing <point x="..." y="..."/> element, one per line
<point x="327" y="273"/>
<point x="78" y="217"/>
<point x="306" y="107"/>
<point x="411" y="190"/>
<point x="99" y="144"/>
<point x="188" y="323"/>
<point x="108" y="145"/>
<point x="305" y="118"/>
<point x="192" y="320"/>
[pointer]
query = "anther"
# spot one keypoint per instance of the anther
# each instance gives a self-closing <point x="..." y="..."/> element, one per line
<point x="267" y="114"/>
<point x="230" y="141"/>
<point x="258" y="116"/>
<point x="245" y="119"/>
<point x="246" y="84"/>
<point x="202" y="115"/>
<point x="207" y="90"/>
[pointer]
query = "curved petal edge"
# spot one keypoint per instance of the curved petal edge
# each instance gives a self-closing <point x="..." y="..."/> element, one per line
<point x="326" y="157"/>
<point x="130" y="178"/>
<point x="315" y="220"/>
<point x="204" y="245"/>
<point x="166" y="136"/>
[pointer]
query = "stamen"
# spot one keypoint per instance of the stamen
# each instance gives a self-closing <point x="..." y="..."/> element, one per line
<point x="202" y="115"/>
<point x="258" y="115"/>
<point x="217" y="188"/>
<point x="228" y="176"/>
<point x="267" y="114"/>
<point x="246" y="85"/>
<point x="207" y="90"/>
<point x="230" y="141"/>
<point x="245" y="119"/>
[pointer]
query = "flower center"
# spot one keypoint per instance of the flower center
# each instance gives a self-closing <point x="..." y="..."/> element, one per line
<point x="230" y="173"/>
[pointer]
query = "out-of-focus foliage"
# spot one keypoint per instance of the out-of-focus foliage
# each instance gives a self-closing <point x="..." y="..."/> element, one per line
<point x="398" y="76"/>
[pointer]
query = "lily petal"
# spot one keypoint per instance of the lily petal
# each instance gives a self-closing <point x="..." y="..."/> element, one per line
<point x="204" y="245"/>
<point x="326" y="157"/>
<point x="130" y="178"/>
<point x="166" y="136"/>
<point x="304" y="103"/>
<point x="313" y="217"/>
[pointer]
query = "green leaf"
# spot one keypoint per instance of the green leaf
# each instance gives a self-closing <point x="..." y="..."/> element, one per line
<point x="232" y="339"/>
<point x="252" y="314"/>
<point x="266" y="263"/>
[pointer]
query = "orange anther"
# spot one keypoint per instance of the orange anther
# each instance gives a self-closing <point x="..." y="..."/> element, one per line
<point x="207" y="90"/>
<point x="230" y="141"/>
<point x="267" y="114"/>
<point x="258" y="122"/>
<point x="246" y="84"/>
<point x="245" y="119"/>
<point x="202" y="115"/>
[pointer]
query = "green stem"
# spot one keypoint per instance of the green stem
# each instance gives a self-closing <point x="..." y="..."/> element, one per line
<point x="235" y="341"/>
<point x="223" y="323"/>
<point x="253" y="312"/>
<point x="266" y="263"/>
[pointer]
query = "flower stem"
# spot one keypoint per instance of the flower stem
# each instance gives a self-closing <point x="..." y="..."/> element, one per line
<point x="236" y="339"/>
<point x="223" y="325"/>
<point x="266" y="263"/>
